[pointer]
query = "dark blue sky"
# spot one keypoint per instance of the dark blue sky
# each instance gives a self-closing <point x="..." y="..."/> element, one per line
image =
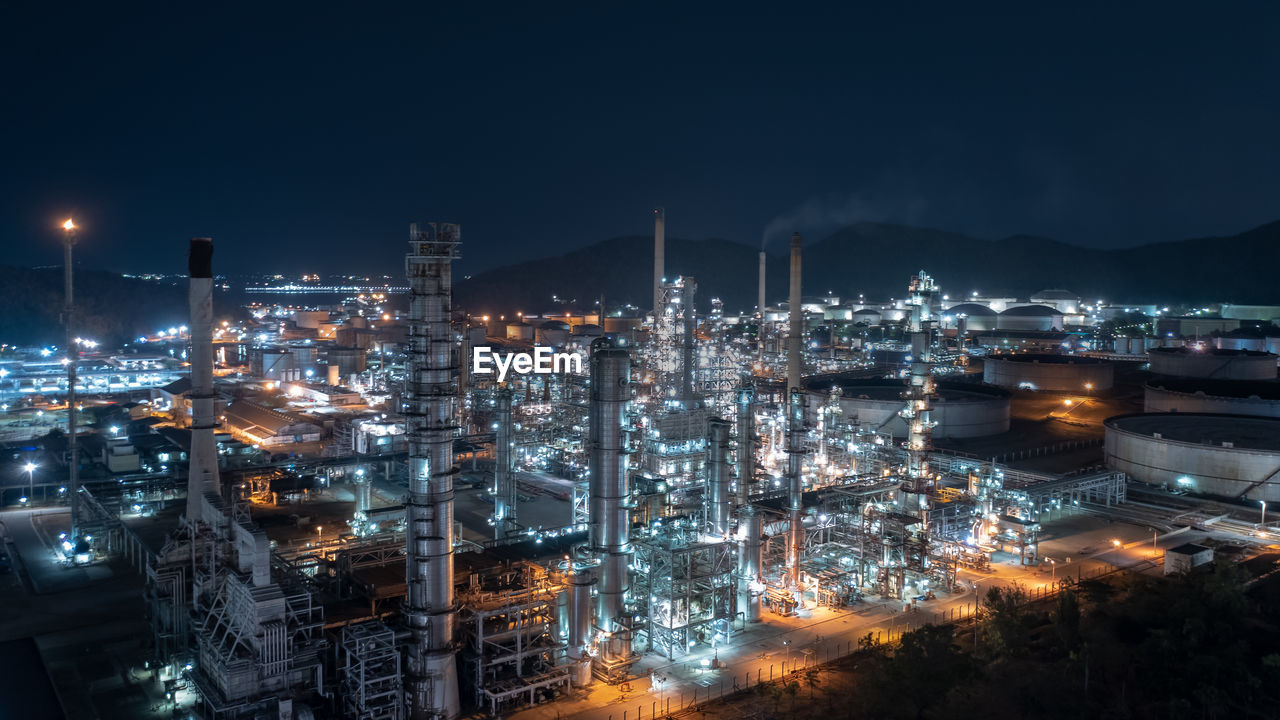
<point x="306" y="139"/>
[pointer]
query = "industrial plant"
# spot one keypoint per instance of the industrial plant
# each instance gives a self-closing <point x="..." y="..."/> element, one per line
<point x="389" y="508"/>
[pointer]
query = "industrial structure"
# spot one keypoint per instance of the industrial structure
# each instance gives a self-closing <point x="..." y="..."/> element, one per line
<point x="1049" y="373"/>
<point x="1233" y="456"/>
<point x="1213" y="363"/>
<point x="698" y="477"/>
<point x="1202" y="395"/>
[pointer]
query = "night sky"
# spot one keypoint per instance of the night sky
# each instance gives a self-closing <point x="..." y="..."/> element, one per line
<point x="307" y="139"/>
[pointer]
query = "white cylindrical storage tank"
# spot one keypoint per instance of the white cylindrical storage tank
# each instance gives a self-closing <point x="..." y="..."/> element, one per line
<point x="866" y="316"/>
<point x="1234" y="456"/>
<point x="552" y="332"/>
<point x="1213" y="363"/>
<point x="978" y="318"/>
<point x="1048" y="373"/>
<point x="961" y="410"/>
<point x="1030" y="317"/>
<point x="1226" y="342"/>
<point x="1202" y="395"/>
<point x="519" y="330"/>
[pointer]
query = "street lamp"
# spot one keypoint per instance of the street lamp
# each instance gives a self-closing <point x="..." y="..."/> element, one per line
<point x="69" y="241"/>
<point x="1264" y="513"/>
<point x="30" y="470"/>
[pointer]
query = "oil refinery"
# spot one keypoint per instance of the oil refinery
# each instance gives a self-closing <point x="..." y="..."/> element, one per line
<point x="461" y="515"/>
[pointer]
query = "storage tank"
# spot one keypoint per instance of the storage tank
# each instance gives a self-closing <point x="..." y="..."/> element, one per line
<point x="961" y="410"/>
<point x="1241" y="342"/>
<point x="1065" y="301"/>
<point x="978" y="318"/>
<point x="1213" y="363"/>
<point x="1048" y="373"/>
<point x="1030" y="317"/>
<point x="1235" y="456"/>
<point x="552" y="332"/>
<point x="1203" y="395"/>
<point x="350" y="361"/>
<point x="866" y="316"/>
<point x="519" y="330"/>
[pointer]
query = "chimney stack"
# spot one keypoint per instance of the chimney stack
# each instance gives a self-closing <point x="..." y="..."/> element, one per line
<point x="795" y="325"/>
<point x="659" y="260"/>
<point x="202" y="475"/>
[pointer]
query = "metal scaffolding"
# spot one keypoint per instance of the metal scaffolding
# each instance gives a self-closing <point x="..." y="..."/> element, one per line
<point x="684" y="592"/>
<point x="514" y="651"/>
<point x="369" y="662"/>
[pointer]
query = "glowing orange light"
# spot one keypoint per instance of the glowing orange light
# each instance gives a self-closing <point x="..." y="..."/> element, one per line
<point x="68" y="225"/>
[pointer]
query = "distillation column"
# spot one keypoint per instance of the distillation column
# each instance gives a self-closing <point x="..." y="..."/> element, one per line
<point x="749" y="522"/>
<point x="795" y="321"/>
<point x="920" y="392"/>
<point x="718" y="477"/>
<point x="579" y="626"/>
<point x="746" y="443"/>
<point x="659" y="261"/>
<point x="609" y="493"/>
<point x="795" y="481"/>
<point x="431" y="682"/>
<point x="504" y="481"/>
<point x="202" y="475"/>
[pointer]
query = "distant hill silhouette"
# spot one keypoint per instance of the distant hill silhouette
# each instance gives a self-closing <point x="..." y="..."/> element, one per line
<point x="878" y="258"/>
<point x="110" y="308"/>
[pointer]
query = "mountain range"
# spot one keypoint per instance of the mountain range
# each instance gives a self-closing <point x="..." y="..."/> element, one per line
<point x="874" y="259"/>
<point x="877" y="260"/>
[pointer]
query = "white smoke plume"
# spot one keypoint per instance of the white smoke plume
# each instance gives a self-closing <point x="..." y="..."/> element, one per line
<point x="831" y="212"/>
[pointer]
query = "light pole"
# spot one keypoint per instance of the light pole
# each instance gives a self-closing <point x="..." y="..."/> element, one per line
<point x="30" y="469"/>
<point x="1264" y="514"/>
<point x="69" y="241"/>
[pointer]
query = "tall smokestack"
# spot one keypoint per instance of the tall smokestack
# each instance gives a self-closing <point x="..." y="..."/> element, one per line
<point x="659" y="260"/>
<point x="795" y="325"/>
<point x="202" y="475"/>
<point x="795" y="484"/>
<point x="431" y="682"/>
<point x="760" y="302"/>
<point x="718" y="477"/>
<point x="609" y="490"/>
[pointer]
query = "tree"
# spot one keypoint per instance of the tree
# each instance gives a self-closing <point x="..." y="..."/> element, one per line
<point x="812" y="679"/>
<point x="1066" y="619"/>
